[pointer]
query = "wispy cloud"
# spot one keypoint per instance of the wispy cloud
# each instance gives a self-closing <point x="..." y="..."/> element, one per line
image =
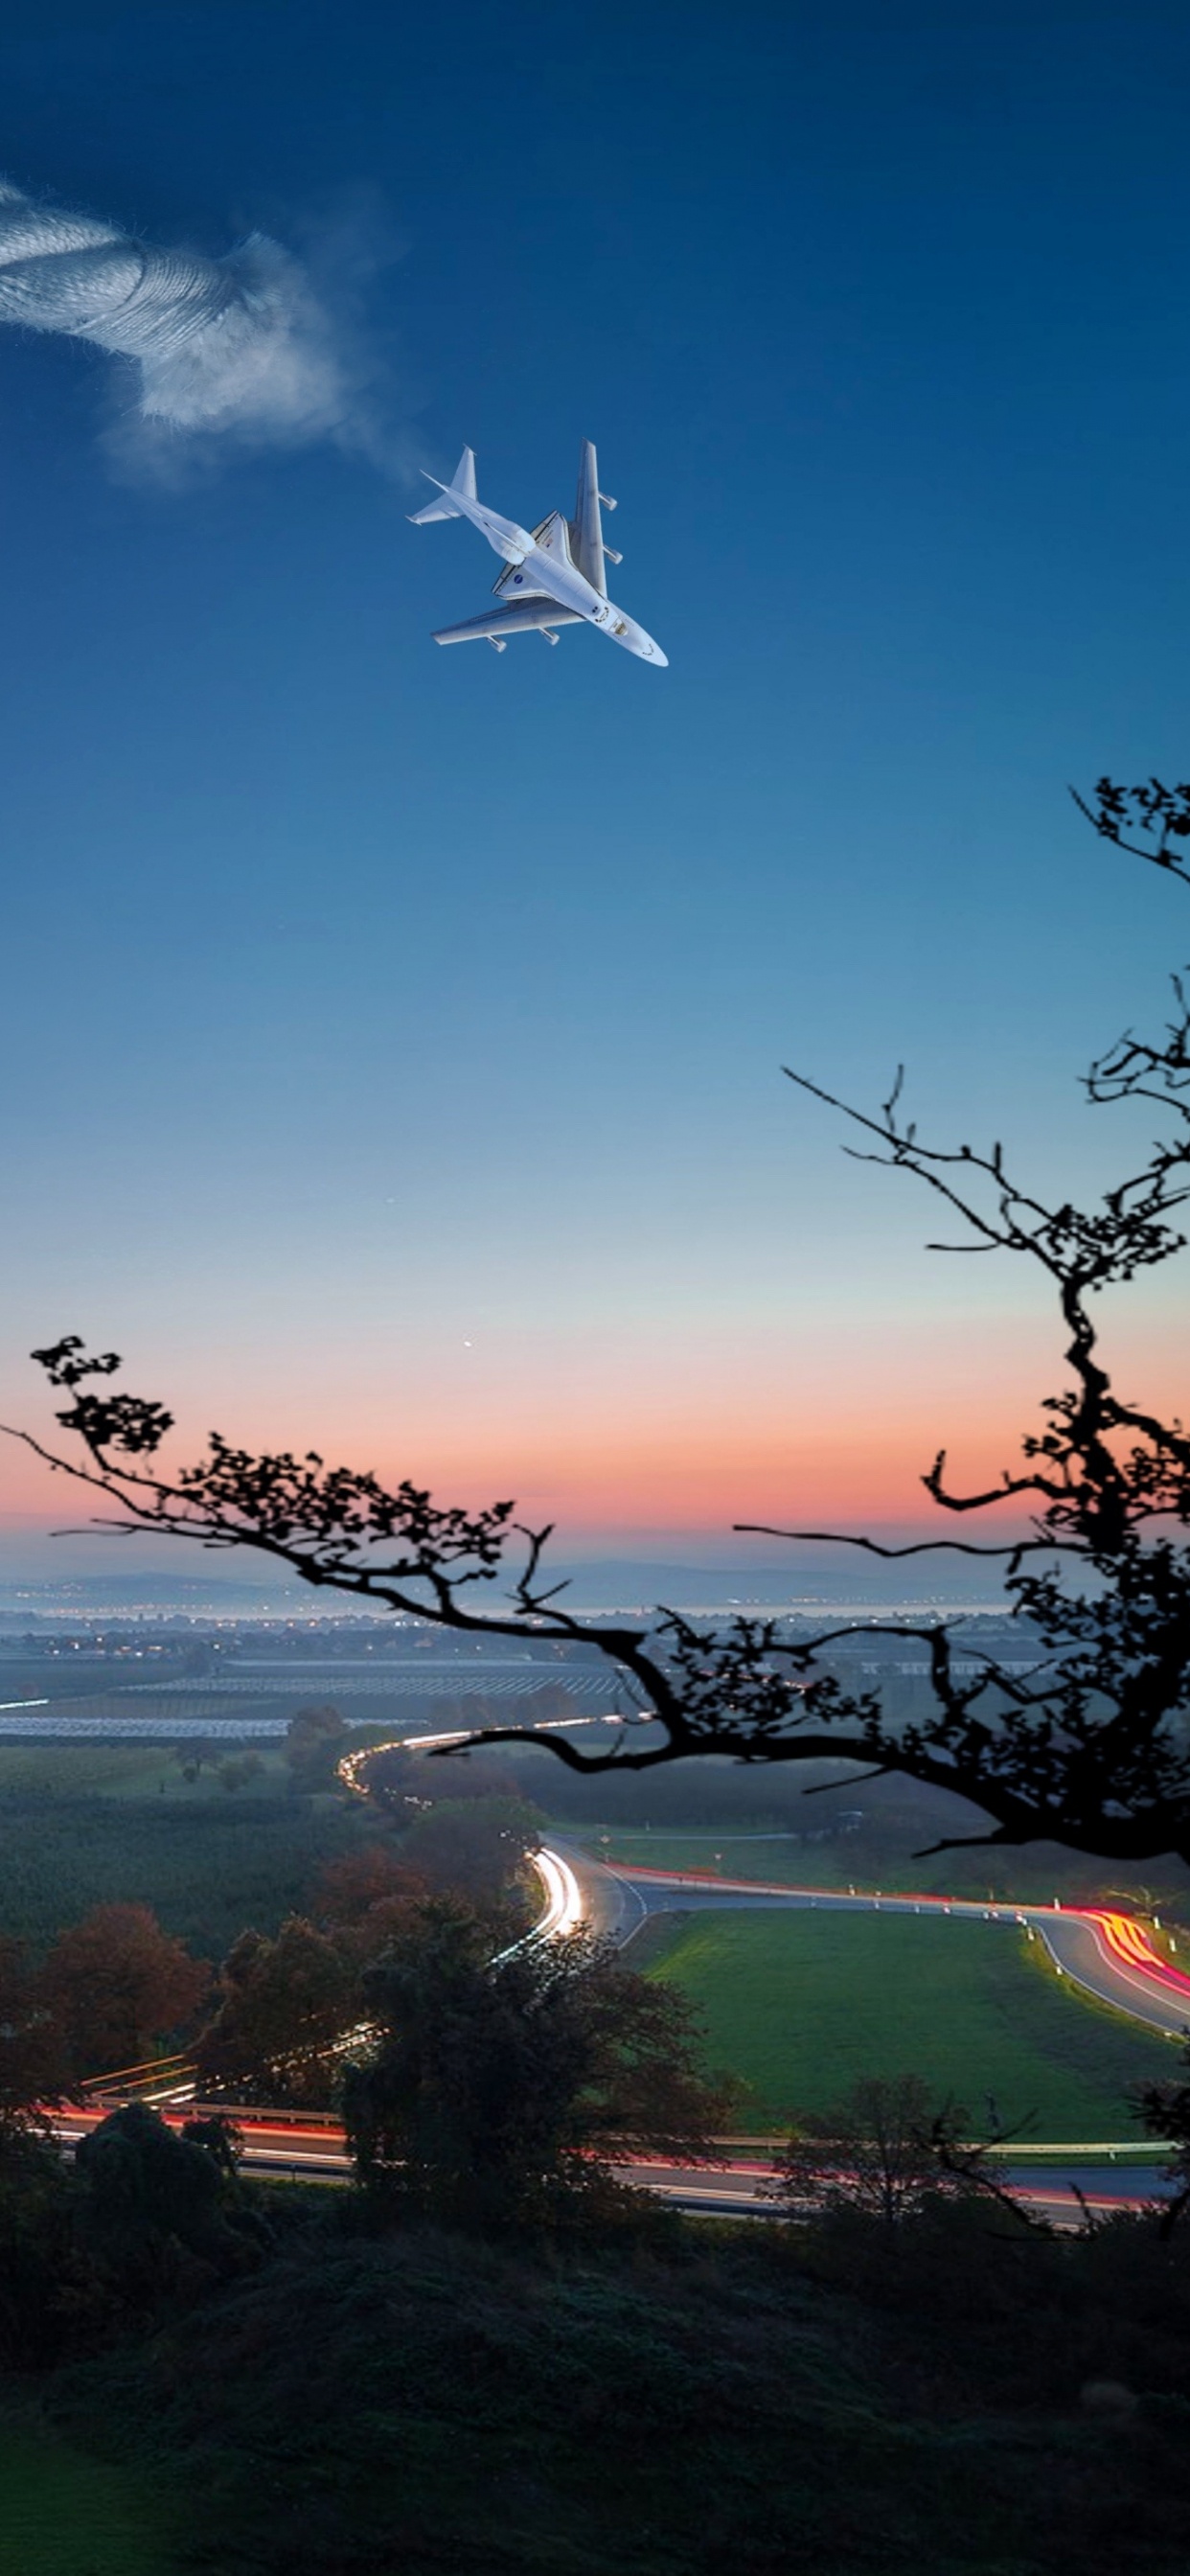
<point x="258" y="347"/>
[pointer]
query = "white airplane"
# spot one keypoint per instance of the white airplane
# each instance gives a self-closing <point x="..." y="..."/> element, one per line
<point x="553" y="577"/>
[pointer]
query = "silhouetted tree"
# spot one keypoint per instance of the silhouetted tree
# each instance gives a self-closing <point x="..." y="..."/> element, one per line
<point x="117" y="1985"/>
<point x="883" y="2150"/>
<point x="1087" y="1746"/>
<point x="501" y="2087"/>
<point x="1164" y="2110"/>
<point x="219" y="2137"/>
<point x="153" y="2205"/>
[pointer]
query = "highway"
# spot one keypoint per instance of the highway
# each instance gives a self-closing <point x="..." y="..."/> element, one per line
<point x="1111" y="2175"/>
<point x="1108" y="1953"/>
<point x="306" y="2149"/>
<point x="1111" y="1954"/>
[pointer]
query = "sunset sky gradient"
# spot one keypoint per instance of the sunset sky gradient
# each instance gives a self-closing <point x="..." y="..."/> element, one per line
<point x="392" y="1038"/>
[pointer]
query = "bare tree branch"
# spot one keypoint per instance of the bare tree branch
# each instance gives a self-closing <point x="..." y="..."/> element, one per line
<point x="1088" y="1744"/>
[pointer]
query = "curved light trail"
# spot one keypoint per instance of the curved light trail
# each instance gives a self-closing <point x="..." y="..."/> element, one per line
<point x="310" y="2148"/>
<point x="564" y="1902"/>
<point x="1108" y="1952"/>
<point x="350" y="1767"/>
<point x="1111" y="1954"/>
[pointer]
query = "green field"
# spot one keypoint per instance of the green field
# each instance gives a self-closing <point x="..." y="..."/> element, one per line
<point x="90" y="1824"/>
<point x="803" y="2005"/>
<point x="60" y="1768"/>
<point x="64" y="2514"/>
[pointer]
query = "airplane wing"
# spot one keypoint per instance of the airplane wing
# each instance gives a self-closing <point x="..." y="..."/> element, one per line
<point x="515" y="617"/>
<point x="586" y="527"/>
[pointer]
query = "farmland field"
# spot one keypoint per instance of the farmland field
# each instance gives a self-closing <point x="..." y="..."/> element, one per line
<point x="88" y="1824"/>
<point x="802" y="2005"/>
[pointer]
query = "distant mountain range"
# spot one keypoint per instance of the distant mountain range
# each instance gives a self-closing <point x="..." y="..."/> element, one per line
<point x="799" y="1582"/>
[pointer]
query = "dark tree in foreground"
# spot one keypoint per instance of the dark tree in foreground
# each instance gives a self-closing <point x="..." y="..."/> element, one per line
<point x="501" y="2088"/>
<point x="1164" y="2110"/>
<point x="1087" y="1745"/>
<point x="884" y="2150"/>
<point x="152" y="2204"/>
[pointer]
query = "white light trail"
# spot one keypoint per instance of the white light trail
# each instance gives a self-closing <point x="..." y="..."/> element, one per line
<point x="564" y="1900"/>
<point x="352" y="1762"/>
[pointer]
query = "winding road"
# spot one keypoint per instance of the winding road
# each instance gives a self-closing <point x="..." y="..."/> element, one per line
<point x="305" y="2148"/>
<point x="1110" y="1954"/>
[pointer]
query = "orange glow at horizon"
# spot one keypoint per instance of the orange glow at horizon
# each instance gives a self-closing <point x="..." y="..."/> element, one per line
<point x="686" y="1432"/>
<point x="700" y="1475"/>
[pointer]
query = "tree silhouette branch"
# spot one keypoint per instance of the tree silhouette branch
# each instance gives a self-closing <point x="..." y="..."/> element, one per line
<point x="1089" y="1745"/>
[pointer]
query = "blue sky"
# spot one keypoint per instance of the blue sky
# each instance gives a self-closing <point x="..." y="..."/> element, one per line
<point x="391" y="1035"/>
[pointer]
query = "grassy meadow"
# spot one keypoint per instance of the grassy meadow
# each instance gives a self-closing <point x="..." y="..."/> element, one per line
<point x="802" y="2005"/>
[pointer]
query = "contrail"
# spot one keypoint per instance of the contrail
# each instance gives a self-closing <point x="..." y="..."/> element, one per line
<point x="237" y="344"/>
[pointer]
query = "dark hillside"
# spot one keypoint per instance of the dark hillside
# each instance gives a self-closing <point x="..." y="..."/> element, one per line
<point x="960" y="2404"/>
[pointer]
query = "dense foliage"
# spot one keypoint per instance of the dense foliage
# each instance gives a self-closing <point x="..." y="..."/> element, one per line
<point x="502" y="2086"/>
<point x="116" y="1986"/>
<point x="954" y="2396"/>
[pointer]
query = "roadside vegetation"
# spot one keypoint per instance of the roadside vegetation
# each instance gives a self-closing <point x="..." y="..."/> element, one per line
<point x="211" y="1835"/>
<point x="795" y="2006"/>
<point x="206" y="1862"/>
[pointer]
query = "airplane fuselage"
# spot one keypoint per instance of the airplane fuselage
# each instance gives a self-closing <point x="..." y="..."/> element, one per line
<point x="541" y="570"/>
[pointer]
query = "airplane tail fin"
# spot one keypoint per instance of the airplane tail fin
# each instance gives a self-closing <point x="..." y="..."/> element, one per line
<point x="463" y="480"/>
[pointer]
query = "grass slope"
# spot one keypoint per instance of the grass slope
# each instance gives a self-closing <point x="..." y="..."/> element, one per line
<point x="802" y="2005"/>
<point x="438" y="2408"/>
<point x="64" y="2513"/>
<point x="64" y="1769"/>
